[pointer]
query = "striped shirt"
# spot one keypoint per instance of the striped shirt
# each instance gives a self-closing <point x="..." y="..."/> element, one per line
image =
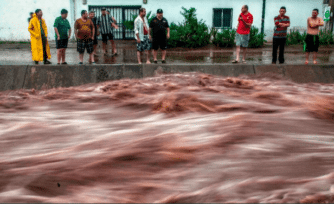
<point x="281" y="32"/>
<point x="105" y="24"/>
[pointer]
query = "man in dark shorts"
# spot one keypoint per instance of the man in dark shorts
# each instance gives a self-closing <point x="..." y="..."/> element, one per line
<point x="282" y="22"/>
<point x="94" y="20"/>
<point x="84" y="32"/>
<point x="159" y="26"/>
<point x="312" y="37"/>
<point x="105" y="23"/>
<point x="62" y="34"/>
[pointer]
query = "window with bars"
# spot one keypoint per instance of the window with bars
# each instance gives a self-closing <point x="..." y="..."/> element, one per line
<point x="222" y="18"/>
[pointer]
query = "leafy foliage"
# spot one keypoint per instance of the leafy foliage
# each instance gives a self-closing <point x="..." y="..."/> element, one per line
<point x="326" y="37"/>
<point x="130" y="24"/>
<point x="295" y="37"/>
<point x="256" y="38"/>
<point x="191" y="33"/>
<point x="224" y="39"/>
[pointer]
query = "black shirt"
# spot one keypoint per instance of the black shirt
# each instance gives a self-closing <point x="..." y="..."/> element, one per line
<point x="159" y="27"/>
<point x="94" y="20"/>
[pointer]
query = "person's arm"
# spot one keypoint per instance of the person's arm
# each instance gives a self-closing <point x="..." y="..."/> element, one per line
<point x="168" y="30"/>
<point x="309" y="24"/>
<point x="137" y="30"/>
<point x="58" y="36"/>
<point x="276" y="21"/>
<point x="248" y="24"/>
<point x="32" y="30"/>
<point x="69" y="33"/>
<point x="114" y="20"/>
<point x="76" y="30"/>
<point x="321" y="22"/>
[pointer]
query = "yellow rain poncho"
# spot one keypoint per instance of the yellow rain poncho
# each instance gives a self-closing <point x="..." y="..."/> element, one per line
<point x="36" y="39"/>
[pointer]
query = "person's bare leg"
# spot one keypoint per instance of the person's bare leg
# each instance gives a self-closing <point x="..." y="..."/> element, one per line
<point x="244" y="53"/>
<point x="307" y="57"/>
<point x="164" y="52"/>
<point x="155" y="54"/>
<point x="91" y="57"/>
<point x="238" y="54"/>
<point x="63" y="55"/>
<point x="94" y="52"/>
<point x="148" y="57"/>
<point x="59" y="55"/>
<point x="81" y="56"/>
<point x="315" y="58"/>
<point x="138" y="57"/>
<point x="114" y="50"/>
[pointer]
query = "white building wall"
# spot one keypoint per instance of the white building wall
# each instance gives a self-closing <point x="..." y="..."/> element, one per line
<point x="14" y="15"/>
<point x="14" y="27"/>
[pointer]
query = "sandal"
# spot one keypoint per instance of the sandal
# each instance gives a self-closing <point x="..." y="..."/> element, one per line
<point x="235" y="61"/>
<point x="306" y="63"/>
<point x="244" y="61"/>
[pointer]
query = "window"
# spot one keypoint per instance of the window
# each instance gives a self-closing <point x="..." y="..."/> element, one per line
<point x="222" y="18"/>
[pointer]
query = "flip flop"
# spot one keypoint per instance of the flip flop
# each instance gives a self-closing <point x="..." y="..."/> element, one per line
<point x="306" y="62"/>
<point x="244" y="61"/>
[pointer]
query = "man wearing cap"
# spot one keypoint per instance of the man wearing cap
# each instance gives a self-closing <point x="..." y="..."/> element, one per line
<point x="105" y="24"/>
<point x="142" y="35"/>
<point x="159" y="25"/>
<point x="38" y="34"/>
<point x="62" y="34"/>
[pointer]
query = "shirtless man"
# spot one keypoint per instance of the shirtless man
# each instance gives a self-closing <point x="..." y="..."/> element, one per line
<point x="312" y="37"/>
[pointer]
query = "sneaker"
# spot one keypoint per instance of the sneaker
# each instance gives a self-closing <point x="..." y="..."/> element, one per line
<point x="47" y="62"/>
<point x="163" y="61"/>
<point x="155" y="62"/>
<point x="64" y="63"/>
<point x="80" y="62"/>
<point x="36" y="62"/>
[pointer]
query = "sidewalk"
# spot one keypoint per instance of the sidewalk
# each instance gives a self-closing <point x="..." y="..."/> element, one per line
<point x="20" y="54"/>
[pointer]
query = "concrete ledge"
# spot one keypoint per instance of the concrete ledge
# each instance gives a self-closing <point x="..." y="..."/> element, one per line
<point x="46" y="76"/>
<point x="12" y="77"/>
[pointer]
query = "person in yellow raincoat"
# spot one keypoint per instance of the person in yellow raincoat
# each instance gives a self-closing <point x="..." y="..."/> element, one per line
<point x="39" y="45"/>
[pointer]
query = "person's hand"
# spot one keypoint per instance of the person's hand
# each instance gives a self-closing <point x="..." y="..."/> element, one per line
<point x="168" y="35"/>
<point x="138" y="41"/>
<point x="116" y="27"/>
<point x="69" y="37"/>
<point x="93" y="38"/>
<point x="240" y="17"/>
<point x="150" y="37"/>
<point x="58" y="38"/>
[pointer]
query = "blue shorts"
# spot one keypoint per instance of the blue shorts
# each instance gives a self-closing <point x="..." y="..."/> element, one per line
<point x="242" y="40"/>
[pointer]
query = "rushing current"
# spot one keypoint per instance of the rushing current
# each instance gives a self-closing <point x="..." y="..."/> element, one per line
<point x="188" y="138"/>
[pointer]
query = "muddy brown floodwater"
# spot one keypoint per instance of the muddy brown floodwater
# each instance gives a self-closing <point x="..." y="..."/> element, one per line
<point x="188" y="138"/>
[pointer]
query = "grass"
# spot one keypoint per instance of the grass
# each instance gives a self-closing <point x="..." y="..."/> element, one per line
<point x="14" y="42"/>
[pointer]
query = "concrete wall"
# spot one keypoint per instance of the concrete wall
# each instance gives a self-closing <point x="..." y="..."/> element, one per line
<point x="39" y="77"/>
<point x="13" y="26"/>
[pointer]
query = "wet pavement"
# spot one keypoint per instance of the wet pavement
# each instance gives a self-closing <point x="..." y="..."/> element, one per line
<point x="21" y="55"/>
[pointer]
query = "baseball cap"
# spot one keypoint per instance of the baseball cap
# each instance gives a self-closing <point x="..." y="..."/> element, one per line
<point x="159" y="11"/>
<point x="103" y="8"/>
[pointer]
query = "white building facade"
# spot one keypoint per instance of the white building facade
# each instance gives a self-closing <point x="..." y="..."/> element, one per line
<point x="215" y="13"/>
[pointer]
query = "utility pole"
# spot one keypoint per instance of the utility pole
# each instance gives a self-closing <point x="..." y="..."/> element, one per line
<point x="263" y="15"/>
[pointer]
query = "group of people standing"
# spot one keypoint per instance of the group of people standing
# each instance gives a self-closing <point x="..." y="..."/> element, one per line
<point x="282" y="22"/>
<point x="86" y="30"/>
<point x="152" y="35"/>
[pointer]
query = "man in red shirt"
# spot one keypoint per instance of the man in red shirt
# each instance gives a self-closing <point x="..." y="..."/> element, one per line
<point x="245" y="20"/>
